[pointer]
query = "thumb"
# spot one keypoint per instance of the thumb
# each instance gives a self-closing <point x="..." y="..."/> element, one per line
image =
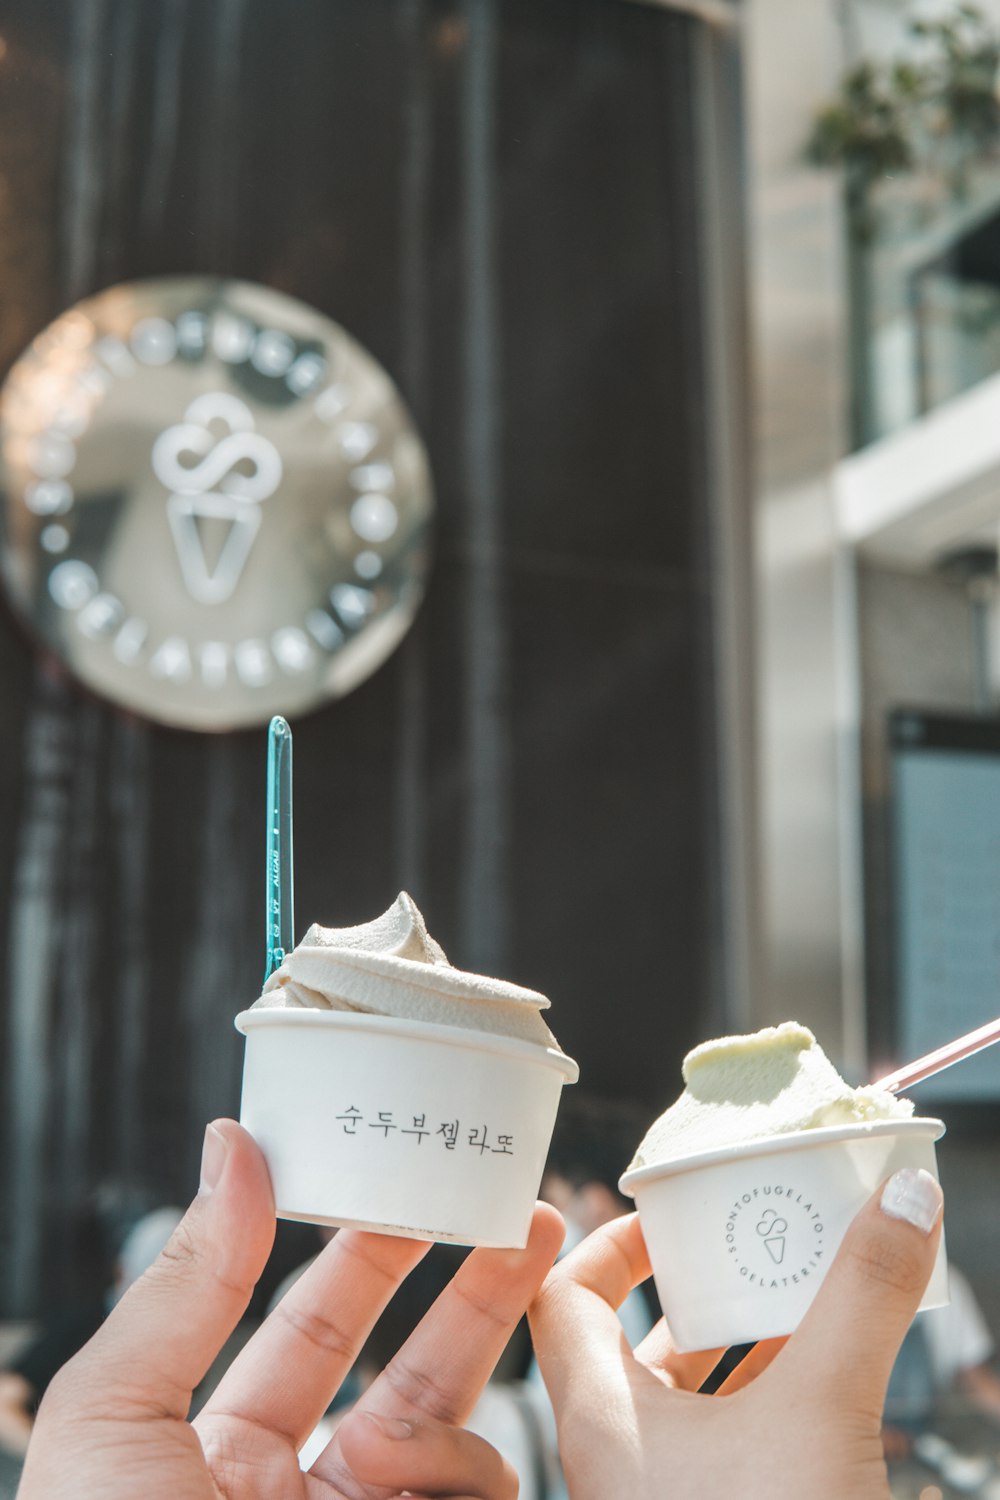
<point x="160" y="1339"/>
<point x="848" y="1341"/>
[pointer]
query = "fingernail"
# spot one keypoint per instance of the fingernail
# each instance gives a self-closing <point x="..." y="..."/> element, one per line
<point x="213" y="1159"/>
<point x="390" y="1427"/>
<point x="914" y="1195"/>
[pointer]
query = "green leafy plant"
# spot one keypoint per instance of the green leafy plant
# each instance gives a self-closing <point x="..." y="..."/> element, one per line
<point x="935" y="112"/>
<point x="866" y="130"/>
<point x="960" y="83"/>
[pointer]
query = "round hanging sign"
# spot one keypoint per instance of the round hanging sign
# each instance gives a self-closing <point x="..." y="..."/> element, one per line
<point x="215" y="506"/>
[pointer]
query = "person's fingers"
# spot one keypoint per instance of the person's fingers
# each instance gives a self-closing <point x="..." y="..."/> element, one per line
<point x="424" y="1457"/>
<point x="849" y="1338"/>
<point x="286" y="1375"/>
<point x="441" y="1369"/>
<point x="574" y="1318"/>
<point x="685" y="1372"/>
<point x="752" y="1365"/>
<point x="444" y="1364"/>
<point x="160" y="1339"/>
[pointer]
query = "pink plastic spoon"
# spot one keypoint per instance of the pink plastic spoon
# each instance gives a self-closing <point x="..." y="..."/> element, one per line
<point x="935" y="1062"/>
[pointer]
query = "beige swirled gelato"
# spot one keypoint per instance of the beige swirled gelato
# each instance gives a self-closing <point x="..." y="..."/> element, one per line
<point x="393" y="967"/>
<point x="771" y="1082"/>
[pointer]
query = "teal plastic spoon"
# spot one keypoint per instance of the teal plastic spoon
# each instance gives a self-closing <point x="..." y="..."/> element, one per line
<point x="280" y="876"/>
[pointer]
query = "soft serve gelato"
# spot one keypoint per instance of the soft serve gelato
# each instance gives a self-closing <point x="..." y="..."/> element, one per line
<point x="393" y="967"/>
<point x="393" y="1092"/>
<point x="772" y="1082"/>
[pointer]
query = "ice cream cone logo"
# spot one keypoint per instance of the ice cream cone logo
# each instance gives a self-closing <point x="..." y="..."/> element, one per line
<point x="772" y="1230"/>
<point x="790" y="1230"/>
<point x="208" y="478"/>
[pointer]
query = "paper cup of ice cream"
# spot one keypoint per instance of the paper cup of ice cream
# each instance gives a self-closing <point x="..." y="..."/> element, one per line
<point x="742" y="1212"/>
<point x="391" y="1091"/>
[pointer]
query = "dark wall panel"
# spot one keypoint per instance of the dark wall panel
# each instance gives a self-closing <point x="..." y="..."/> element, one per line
<point x="497" y="199"/>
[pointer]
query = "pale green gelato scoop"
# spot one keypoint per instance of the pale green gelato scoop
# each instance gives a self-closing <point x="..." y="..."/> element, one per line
<point x="772" y="1082"/>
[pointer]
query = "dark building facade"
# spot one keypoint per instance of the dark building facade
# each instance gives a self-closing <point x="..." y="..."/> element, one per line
<point x="519" y="207"/>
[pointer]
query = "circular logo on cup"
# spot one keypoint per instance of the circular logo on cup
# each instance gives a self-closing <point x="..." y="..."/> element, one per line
<point x="774" y="1236"/>
<point x="215" y="504"/>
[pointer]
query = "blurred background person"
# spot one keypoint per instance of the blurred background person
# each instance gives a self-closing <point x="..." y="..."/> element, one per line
<point x="943" y="1401"/>
<point x="69" y="1326"/>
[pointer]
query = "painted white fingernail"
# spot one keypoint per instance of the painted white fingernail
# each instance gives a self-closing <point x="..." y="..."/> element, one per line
<point x="914" y="1195"/>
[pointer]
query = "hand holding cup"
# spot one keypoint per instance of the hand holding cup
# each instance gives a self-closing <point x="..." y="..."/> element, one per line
<point x="798" y="1416"/>
<point x="114" y="1421"/>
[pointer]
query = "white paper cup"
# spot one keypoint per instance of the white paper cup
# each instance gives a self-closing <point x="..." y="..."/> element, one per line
<point x="406" y="1127"/>
<point x="741" y="1239"/>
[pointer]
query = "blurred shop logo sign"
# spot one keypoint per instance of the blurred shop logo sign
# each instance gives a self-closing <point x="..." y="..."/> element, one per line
<point x="215" y="505"/>
<point x="195" y="497"/>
